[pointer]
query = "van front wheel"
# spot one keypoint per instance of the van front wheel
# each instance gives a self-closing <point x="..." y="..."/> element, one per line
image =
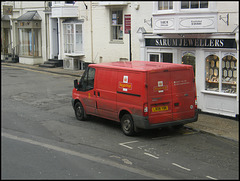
<point x="79" y="111"/>
<point x="127" y="125"/>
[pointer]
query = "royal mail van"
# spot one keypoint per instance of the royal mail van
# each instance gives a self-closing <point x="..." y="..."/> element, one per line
<point x="139" y="94"/>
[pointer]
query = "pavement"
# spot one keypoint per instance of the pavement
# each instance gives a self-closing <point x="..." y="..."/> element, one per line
<point x="218" y="125"/>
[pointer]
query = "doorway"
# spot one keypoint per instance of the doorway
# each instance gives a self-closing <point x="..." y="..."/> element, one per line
<point x="54" y="41"/>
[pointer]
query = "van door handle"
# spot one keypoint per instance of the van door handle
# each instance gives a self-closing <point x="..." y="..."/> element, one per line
<point x="98" y="94"/>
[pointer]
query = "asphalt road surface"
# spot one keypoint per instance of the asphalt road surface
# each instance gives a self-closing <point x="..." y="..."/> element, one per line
<point x="42" y="139"/>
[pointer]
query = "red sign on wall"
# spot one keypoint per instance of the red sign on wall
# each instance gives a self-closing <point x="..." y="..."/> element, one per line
<point x="127" y="23"/>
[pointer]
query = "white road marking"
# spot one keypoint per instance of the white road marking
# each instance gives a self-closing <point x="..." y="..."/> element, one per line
<point x="151" y="155"/>
<point x="211" y="178"/>
<point x="88" y="157"/>
<point x="123" y="144"/>
<point x="181" y="167"/>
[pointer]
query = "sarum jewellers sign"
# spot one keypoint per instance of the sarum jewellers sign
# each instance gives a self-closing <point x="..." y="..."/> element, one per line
<point x="191" y="42"/>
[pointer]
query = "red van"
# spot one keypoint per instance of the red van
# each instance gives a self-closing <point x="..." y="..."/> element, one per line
<point x="139" y="94"/>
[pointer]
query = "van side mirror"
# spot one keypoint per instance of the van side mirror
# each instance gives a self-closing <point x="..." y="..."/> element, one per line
<point x="76" y="84"/>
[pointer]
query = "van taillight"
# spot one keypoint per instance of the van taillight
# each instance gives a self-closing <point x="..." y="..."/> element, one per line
<point x="195" y="102"/>
<point x="145" y="109"/>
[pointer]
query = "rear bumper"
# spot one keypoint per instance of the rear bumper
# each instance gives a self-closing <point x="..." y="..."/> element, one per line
<point x="143" y="122"/>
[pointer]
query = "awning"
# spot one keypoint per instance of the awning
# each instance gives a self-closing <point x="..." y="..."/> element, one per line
<point x="5" y="18"/>
<point x="30" y="16"/>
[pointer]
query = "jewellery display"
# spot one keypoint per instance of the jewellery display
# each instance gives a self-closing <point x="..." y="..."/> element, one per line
<point x="228" y="70"/>
<point x="229" y="74"/>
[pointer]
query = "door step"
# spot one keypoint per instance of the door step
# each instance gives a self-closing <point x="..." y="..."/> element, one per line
<point x="52" y="63"/>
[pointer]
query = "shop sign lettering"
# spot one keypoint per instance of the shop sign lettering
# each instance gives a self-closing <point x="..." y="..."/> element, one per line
<point x="191" y="42"/>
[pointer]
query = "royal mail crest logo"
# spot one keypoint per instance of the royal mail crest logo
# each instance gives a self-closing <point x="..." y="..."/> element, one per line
<point x="125" y="85"/>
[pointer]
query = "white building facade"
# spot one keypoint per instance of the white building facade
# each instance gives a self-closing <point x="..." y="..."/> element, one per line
<point x="201" y="33"/>
<point x="205" y="35"/>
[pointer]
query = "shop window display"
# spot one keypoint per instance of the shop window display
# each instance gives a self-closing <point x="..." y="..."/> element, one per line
<point x="228" y="69"/>
<point x="212" y="73"/>
<point x="229" y="74"/>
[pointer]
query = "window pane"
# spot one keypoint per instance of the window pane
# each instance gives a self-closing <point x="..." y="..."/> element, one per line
<point x="167" y="57"/>
<point x="203" y="4"/>
<point x="78" y="38"/>
<point x="24" y="41"/>
<point x="212" y="73"/>
<point x="37" y="42"/>
<point x="185" y="5"/>
<point x="165" y="5"/>
<point x="194" y="4"/>
<point x="229" y="74"/>
<point x="116" y="27"/>
<point x="160" y="7"/>
<point x="170" y="5"/>
<point x="154" y="58"/>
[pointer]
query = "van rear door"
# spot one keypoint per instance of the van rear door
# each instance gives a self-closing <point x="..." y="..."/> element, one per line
<point x="159" y="96"/>
<point x="183" y="93"/>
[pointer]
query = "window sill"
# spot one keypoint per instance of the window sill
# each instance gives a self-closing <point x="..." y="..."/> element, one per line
<point x="219" y="93"/>
<point x="74" y="54"/>
<point x="116" y="42"/>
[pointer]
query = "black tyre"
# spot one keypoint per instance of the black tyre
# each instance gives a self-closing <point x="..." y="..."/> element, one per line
<point x="79" y="111"/>
<point x="127" y="125"/>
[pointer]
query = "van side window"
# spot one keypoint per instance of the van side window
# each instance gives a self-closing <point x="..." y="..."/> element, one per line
<point x="87" y="80"/>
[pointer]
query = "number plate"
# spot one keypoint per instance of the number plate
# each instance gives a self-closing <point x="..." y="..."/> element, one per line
<point x="157" y="109"/>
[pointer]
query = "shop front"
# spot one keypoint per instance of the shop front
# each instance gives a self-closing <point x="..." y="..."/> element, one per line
<point x="215" y="62"/>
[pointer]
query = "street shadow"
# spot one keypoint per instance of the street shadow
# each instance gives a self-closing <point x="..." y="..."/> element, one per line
<point x="160" y="133"/>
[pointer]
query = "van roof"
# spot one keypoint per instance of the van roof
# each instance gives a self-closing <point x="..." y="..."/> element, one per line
<point x="142" y="65"/>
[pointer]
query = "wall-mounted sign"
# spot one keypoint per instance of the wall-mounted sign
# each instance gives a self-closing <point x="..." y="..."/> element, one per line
<point x="127" y="23"/>
<point x="189" y="23"/>
<point x="7" y="10"/>
<point x="191" y="42"/>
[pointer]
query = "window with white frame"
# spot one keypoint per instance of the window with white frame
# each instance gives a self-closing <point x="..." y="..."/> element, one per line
<point x="30" y="42"/>
<point x="116" y="24"/>
<point x="72" y="33"/>
<point x="165" y="5"/>
<point x="194" y="4"/>
<point x="221" y="73"/>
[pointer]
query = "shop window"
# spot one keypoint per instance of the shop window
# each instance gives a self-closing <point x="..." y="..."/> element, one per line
<point x="165" y="5"/>
<point x="166" y="57"/>
<point x="227" y="81"/>
<point x="229" y="74"/>
<point x="116" y="25"/>
<point x="194" y="4"/>
<point x="72" y="38"/>
<point x="154" y="57"/>
<point x="212" y="73"/>
<point x="190" y="60"/>
<point x="30" y="42"/>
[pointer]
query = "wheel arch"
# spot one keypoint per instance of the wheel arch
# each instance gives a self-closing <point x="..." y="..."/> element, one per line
<point x="123" y="112"/>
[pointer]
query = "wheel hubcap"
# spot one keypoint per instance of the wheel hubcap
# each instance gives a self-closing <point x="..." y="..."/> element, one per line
<point x="79" y="112"/>
<point x="126" y="124"/>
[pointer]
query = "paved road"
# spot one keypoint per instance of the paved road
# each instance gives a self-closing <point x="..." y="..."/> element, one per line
<point x="41" y="138"/>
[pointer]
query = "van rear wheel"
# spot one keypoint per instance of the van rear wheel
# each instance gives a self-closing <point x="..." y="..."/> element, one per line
<point x="127" y="125"/>
<point x="79" y="111"/>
